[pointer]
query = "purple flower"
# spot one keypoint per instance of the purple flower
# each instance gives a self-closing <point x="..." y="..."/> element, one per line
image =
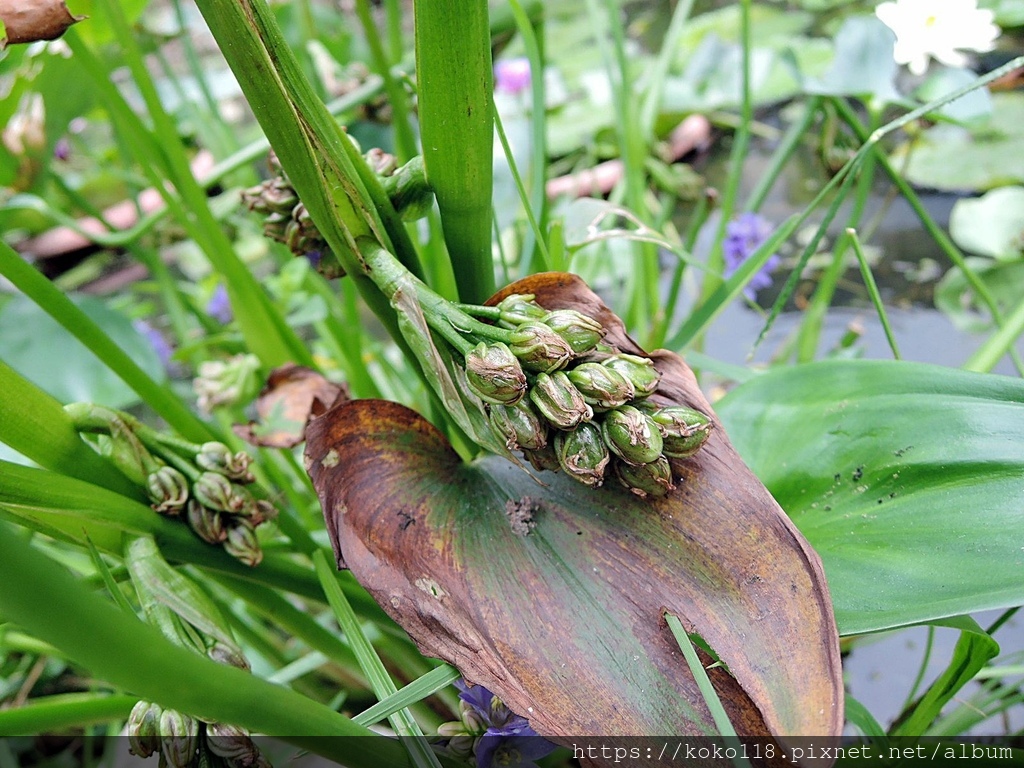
<point x="508" y="740"/>
<point x="156" y="340"/>
<point x="219" y="306"/>
<point x="62" y="149"/>
<point x="743" y="236"/>
<point x="314" y="258"/>
<point x="512" y="76"/>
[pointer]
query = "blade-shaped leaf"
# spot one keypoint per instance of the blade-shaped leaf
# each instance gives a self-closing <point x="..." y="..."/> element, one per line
<point x="566" y="622"/>
<point x="907" y="479"/>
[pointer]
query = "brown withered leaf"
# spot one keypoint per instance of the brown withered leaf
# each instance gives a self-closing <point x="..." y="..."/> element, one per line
<point x="26" y="22"/>
<point x="563" y="619"/>
<point x="292" y="395"/>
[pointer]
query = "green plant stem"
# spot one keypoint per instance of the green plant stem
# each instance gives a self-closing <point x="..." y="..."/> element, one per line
<point x="34" y="285"/>
<point x="814" y="315"/>
<point x="456" y="111"/>
<point x="405" y="141"/>
<point x="666" y="54"/>
<point x="780" y="157"/>
<point x="524" y="198"/>
<point x="945" y="242"/>
<point x="532" y="33"/>
<point x="872" y="287"/>
<point x="737" y="157"/>
<point x="49" y="714"/>
<point x="265" y="330"/>
<point x="136" y="657"/>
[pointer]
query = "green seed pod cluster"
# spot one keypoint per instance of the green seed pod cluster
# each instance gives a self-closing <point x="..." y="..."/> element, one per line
<point x="286" y="219"/>
<point x="183" y="741"/>
<point x="584" y="413"/>
<point x="204" y="485"/>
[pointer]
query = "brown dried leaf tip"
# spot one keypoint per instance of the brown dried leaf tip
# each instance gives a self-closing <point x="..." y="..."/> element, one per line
<point x="292" y="396"/>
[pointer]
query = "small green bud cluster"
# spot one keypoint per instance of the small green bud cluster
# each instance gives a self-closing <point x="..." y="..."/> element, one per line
<point x="570" y="406"/>
<point x="215" y="503"/>
<point x="183" y="741"/>
<point x="286" y="219"/>
<point x="202" y="484"/>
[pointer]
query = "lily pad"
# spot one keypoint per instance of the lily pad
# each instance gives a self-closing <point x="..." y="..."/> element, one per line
<point x="986" y="155"/>
<point x="991" y="225"/>
<point x="907" y="479"/>
<point x="67" y="370"/>
<point x="560" y="612"/>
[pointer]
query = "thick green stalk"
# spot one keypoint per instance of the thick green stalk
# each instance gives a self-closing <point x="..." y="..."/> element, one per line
<point x="127" y="653"/>
<point x="34" y="285"/>
<point x="456" y="111"/>
<point x="36" y="426"/>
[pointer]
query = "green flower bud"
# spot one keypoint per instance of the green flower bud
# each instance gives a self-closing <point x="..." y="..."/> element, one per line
<point x="273" y="196"/>
<point x="582" y="454"/>
<point x="639" y="371"/>
<point x="241" y="542"/>
<point x="602" y="387"/>
<point x="683" y="430"/>
<point x="217" y="457"/>
<point x="654" y="478"/>
<point x="206" y="523"/>
<point x="519" y="308"/>
<point x="168" y="490"/>
<point x="409" y="191"/>
<point x="494" y="374"/>
<point x="543" y="459"/>
<point x="218" y="493"/>
<point x="539" y="348"/>
<point x="631" y="435"/>
<point x="232" y="743"/>
<point x="559" y="402"/>
<point x="179" y="738"/>
<point x="451" y="729"/>
<point x="520" y="426"/>
<point x="581" y="332"/>
<point x="472" y="721"/>
<point x="213" y="490"/>
<point x="144" y="729"/>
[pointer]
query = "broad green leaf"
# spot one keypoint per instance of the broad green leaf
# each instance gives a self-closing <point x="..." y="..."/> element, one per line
<point x="565" y="622"/>
<point x="990" y="225"/>
<point x="951" y="158"/>
<point x="67" y="370"/>
<point x="906" y="478"/>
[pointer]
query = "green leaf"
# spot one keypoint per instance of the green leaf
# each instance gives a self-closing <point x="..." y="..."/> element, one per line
<point x="990" y="225"/>
<point x="565" y="623"/>
<point x="69" y="371"/>
<point x="863" y="65"/>
<point x="125" y="652"/>
<point x="958" y="299"/>
<point x="973" y="651"/>
<point x="906" y="478"/>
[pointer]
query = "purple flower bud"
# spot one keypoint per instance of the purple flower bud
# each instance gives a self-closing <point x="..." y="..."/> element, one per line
<point x="219" y="306"/>
<point x="512" y="76"/>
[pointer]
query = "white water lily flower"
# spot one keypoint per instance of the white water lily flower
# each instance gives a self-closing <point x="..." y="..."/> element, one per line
<point x="940" y="29"/>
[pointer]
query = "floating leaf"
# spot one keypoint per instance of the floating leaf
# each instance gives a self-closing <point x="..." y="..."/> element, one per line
<point x="991" y="225"/>
<point x="907" y="479"/>
<point x="551" y="594"/>
<point x="863" y="64"/>
<point x="951" y="158"/>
